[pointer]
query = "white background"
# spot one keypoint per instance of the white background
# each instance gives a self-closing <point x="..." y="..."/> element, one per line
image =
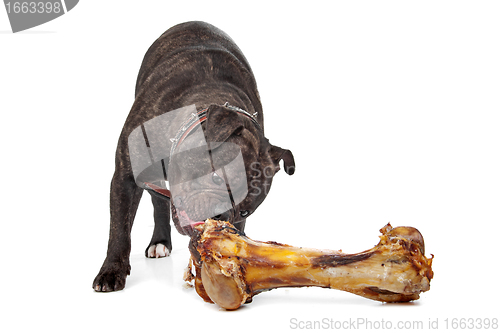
<point x="391" y="109"/>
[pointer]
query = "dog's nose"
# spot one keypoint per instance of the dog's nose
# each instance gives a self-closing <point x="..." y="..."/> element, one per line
<point x="178" y="202"/>
<point x="222" y="217"/>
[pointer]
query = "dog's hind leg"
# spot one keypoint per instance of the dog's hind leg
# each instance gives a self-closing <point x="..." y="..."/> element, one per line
<point x="161" y="242"/>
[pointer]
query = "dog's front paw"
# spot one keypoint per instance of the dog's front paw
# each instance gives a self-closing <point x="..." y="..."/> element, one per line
<point x="110" y="279"/>
<point x="157" y="251"/>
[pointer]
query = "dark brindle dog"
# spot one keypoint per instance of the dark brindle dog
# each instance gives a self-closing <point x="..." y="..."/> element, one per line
<point x="191" y="64"/>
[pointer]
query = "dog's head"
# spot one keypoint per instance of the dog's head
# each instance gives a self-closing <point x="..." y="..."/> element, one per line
<point x="228" y="177"/>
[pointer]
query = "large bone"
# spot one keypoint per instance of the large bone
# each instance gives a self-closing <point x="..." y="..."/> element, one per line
<point x="231" y="268"/>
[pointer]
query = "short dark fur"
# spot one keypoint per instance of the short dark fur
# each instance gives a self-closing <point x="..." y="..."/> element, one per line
<point x="191" y="63"/>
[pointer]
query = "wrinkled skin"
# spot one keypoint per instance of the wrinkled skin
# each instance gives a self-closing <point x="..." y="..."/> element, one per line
<point x="203" y="183"/>
<point x="191" y="63"/>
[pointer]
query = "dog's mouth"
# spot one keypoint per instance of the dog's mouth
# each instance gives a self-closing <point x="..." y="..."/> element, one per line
<point x="183" y="223"/>
<point x="185" y="220"/>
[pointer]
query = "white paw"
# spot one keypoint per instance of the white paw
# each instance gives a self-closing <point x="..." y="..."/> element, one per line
<point x="158" y="251"/>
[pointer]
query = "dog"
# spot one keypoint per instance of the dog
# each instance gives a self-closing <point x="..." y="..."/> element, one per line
<point x="196" y="123"/>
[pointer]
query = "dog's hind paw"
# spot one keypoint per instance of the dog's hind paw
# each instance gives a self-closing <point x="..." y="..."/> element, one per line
<point x="158" y="251"/>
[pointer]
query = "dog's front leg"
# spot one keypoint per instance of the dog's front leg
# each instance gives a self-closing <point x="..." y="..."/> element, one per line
<point x="124" y="200"/>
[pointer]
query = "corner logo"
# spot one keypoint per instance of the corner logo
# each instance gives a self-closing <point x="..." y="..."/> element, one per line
<point x="28" y="14"/>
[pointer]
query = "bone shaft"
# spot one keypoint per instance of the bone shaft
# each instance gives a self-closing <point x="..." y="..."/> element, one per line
<point x="269" y="266"/>
<point x="297" y="267"/>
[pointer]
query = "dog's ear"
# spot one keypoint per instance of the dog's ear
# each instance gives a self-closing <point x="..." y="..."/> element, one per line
<point x="222" y="123"/>
<point x="277" y="154"/>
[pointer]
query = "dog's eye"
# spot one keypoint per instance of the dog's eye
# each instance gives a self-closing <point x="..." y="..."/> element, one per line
<point x="244" y="213"/>
<point x="217" y="179"/>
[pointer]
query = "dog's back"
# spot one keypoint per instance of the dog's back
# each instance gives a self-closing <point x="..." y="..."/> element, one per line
<point x="170" y="52"/>
<point x="192" y="63"/>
